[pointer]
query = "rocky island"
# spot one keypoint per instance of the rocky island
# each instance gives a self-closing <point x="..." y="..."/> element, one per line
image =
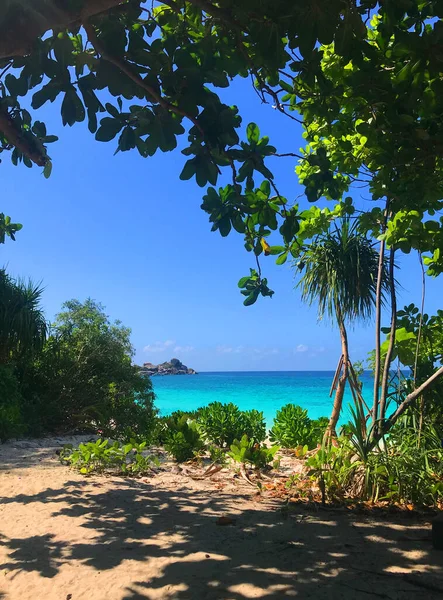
<point x="172" y="367"/>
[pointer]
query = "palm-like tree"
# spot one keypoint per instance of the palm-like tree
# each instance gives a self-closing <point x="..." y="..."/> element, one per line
<point x="22" y="324"/>
<point x="340" y="274"/>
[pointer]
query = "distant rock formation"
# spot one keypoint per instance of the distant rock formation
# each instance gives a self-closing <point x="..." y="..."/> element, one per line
<point x="172" y="367"/>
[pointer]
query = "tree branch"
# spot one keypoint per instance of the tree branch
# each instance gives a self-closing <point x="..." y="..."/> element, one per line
<point x="25" y="22"/>
<point x="125" y="68"/>
<point x="410" y="398"/>
<point x="16" y="138"/>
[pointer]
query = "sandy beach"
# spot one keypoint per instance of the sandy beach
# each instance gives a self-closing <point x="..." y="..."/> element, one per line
<point x="67" y="537"/>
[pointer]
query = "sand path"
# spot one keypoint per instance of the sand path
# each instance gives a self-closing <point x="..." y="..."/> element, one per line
<point x="64" y="537"/>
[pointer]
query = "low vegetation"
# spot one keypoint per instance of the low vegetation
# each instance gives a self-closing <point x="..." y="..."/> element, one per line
<point x="74" y="375"/>
<point x="105" y="456"/>
<point x="292" y="428"/>
<point x="221" y="424"/>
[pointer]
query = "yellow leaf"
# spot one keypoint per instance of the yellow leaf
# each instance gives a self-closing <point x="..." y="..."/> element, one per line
<point x="266" y="247"/>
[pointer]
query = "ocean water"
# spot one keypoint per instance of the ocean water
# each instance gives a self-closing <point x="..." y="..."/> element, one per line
<point x="265" y="391"/>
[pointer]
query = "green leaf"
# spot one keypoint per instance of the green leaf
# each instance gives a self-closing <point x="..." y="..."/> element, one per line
<point x="72" y="108"/>
<point x="188" y="170"/>
<point x="108" y="129"/>
<point x="253" y="133"/>
<point x="252" y="298"/>
<point x="47" y="169"/>
<point x="112" y="110"/>
<point x="127" y="139"/>
<point x="276" y="250"/>
<point x="281" y="259"/>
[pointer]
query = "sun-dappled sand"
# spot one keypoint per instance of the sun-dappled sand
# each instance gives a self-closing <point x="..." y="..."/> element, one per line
<point x="67" y="537"/>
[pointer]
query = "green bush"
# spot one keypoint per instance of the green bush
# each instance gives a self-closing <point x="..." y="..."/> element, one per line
<point x="247" y="451"/>
<point x="103" y="455"/>
<point x="403" y="472"/>
<point x="217" y="454"/>
<point x="83" y="380"/>
<point x="292" y="428"/>
<point x="221" y="424"/>
<point x="182" y="438"/>
<point x="163" y="425"/>
<point x="10" y="401"/>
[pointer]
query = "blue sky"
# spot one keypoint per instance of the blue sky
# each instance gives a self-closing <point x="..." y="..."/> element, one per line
<point x="128" y="233"/>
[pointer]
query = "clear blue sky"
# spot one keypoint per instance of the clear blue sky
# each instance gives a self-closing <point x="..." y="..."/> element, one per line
<point x="128" y="233"/>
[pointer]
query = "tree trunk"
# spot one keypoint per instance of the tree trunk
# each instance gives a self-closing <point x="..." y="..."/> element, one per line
<point x="338" y="400"/>
<point x="377" y="368"/>
<point x="388" y="359"/>
<point x="410" y="398"/>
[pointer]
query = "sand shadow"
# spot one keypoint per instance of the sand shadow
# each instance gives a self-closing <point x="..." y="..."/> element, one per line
<point x="267" y="553"/>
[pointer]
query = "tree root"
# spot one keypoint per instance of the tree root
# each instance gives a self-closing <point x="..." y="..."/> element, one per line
<point x="245" y="475"/>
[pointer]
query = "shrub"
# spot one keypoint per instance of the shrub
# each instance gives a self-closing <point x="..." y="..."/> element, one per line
<point x="163" y="425"/>
<point x="292" y="428"/>
<point x="404" y="472"/>
<point x="217" y="455"/>
<point x="247" y="451"/>
<point x="10" y="401"/>
<point x="83" y="380"/>
<point x="103" y="455"/>
<point x="182" y="438"/>
<point x="221" y="424"/>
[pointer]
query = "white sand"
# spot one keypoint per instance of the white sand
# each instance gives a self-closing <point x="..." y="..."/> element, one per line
<point x="66" y="537"/>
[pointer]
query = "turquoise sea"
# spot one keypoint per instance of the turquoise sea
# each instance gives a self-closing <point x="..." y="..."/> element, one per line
<point x="265" y="390"/>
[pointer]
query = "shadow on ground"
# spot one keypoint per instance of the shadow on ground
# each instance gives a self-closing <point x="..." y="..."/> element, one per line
<point x="267" y="553"/>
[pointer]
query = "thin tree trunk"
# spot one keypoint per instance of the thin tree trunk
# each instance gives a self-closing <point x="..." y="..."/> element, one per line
<point x="388" y="359"/>
<point x="417" y="349"/>
<point x="410" y="398"/>
<point x="378" y="302"/>
<point x="338" y="400"/>
<point x="422" y="309"/>
<point x="377" y="368"/>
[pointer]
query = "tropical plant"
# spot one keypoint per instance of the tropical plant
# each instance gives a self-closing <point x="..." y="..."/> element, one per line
<point x="104" y="455"/>
<point x="164" y="424"/>
<point x="363" y="77"/>
<point x="182" y="439"/>
<point x="83" y="379"/>
<point x="330" y="65"/>
<point x="292" y="428"/>
<point x="217" y="454"/>
<point x="11" y="423"/>
<point x="221" y="424"/>
<point x="249" y="452"/>
<point x="22" y="323"/>
<point x="418" y="347"/>
<point x="340" y="270"/>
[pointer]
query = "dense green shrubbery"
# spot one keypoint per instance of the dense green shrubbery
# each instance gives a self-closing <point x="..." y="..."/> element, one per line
<point x="404" y="470"/>
<point x="11" y="423"/>
<point x="82" y="379"/>
<point x="104" y="455"/>
<point x="182" y="438"/>
<point x="164" y="424"/>
<point x="292" y="427"/>
<point x="248" y="451"/>
<point x="221" y="424"/>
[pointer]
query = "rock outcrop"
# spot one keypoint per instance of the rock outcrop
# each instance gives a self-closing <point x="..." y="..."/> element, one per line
<point x="172" y="367"/>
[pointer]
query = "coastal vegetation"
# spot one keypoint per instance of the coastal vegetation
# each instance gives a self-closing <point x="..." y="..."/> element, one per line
<point x="364" y="81"/>
<point x="340" y="273"/>
<point x="75" y="374"/>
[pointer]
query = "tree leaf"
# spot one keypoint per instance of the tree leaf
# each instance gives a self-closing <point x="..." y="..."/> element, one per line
<point x="108" y="129"/>
<point x="253" y="133"/>
<point x="47" y="169"/>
